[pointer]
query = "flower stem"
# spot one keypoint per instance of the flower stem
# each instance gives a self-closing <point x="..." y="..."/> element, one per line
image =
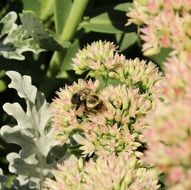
<point x="73" y="20"/>
<point x="67" y="34"/>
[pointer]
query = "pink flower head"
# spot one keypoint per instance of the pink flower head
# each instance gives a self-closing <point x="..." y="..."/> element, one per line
<point x="164" y="23"/>
<point x="170" y="136"/>
<point x="177" y="83"/>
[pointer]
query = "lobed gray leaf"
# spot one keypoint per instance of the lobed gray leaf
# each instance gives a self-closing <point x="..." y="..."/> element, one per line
<point x="31" y="133"/>
<point x="23" y="85"/>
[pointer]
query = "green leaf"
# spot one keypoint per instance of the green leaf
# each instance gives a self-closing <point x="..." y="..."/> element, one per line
<point x="3" y="180"/>
<point x="14" y="40"/>
<point x="2" y="86"/>
<point x="71" y="52"/>
<point x="126" y="40"/>
<point x="33" y="5"/>
<point x="6" y="181"/>
<point x="61" y="12"/>
<point x="43" y="8"/>
<point x="161" y="57"/>
<point x="36" y="29"/>
<point x="123" y="7"/>
<point x="106" y="20"/>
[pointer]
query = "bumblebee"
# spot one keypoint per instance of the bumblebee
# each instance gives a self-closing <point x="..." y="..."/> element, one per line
<point x="87" y="100"/>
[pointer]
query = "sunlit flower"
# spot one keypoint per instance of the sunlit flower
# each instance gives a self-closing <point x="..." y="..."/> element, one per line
<point x="134" y="73"/>
<point x="105" y="122"/>
<point x="114" y="129"/>
<point x="94" y="57"/>
<point x="104" y="140"/>
<point x="142" y="75"/>
<point x="113" y="172"/>
<point x="125" y="105"/>
<point x="68" y="176"/>
<point x="64" y="113"/>
<point x="116" y="126"/>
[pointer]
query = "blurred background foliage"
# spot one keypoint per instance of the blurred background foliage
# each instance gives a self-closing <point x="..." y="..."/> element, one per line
<point x="61" y="27"/>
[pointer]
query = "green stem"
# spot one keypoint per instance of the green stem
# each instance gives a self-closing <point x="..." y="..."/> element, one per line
<point x="73" y="20"/>
<point x="67" y="34"/>
<point x="105" y="79"/>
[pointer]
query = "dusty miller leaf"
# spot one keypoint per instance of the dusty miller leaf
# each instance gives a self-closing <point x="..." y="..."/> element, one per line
<point x="14" y="39"/>
<point x="30" y="133"/>
<point x="21" y="85"/>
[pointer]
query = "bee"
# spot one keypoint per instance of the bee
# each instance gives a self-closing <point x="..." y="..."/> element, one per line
<point x="87" y="100"/>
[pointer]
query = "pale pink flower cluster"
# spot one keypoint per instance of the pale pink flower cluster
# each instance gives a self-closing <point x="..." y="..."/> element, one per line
<point x="113" y="172"/>
<point x="118" y="125"/>
<point x="170" y="132"/>
<point x="65" y="117"/>
<point x="169" y="143"/>
<point x="98" y="56"/>
<point x="110" y="134"/>
<point x="177" y="85"/>
<point x="166" y="24"/>
<point x="101" y="59"/>
<point x="163" y="24"/>
<point x="115" y="128"/>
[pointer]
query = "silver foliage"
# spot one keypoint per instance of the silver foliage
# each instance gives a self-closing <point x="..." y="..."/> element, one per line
<point x="31" y="133"/>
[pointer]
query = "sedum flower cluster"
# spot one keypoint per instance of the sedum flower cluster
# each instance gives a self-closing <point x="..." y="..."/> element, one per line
<point x="166" y="24"/>
<point x="102" y="121"/>
<point x="116" y="124"/>
<point x="163" y="24"/>
<point x="101" y="59"/>
<point x="177" y="84"/>
<point x="170" y="135"/>
<point x="109" y="173"/>
<point x="170" y="131"/>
